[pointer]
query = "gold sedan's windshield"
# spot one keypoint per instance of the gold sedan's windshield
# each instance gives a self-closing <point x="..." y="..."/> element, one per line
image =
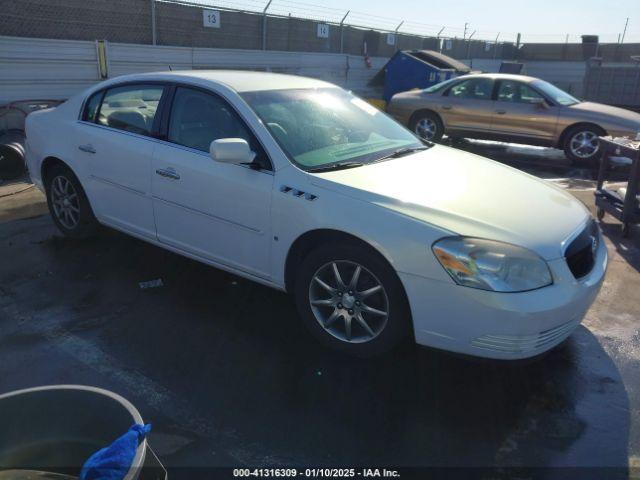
<point x="553" y="92"/>
<point x="324" y="127"/>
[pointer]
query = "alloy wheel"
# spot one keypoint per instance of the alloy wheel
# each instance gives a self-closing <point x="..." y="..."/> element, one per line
<point x="584" y="144"/>
<point x="348" y="301"/>
<point x="426" y="128"/>
<point x="65" y="201"/>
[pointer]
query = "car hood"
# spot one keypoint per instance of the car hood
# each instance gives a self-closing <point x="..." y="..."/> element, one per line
<point x="607" y="110"/>
<point x="467" y="195"/>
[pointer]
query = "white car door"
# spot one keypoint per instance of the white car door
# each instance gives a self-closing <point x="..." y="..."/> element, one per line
<point x="216" y="211"/>
<point x="115" y="147"/>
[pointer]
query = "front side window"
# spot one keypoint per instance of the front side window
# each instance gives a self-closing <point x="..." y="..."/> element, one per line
<point x="517" y="92"/>
<point x="198" y="118"/>
<point x="320" y="127"/>
<point x="131" y="108"/>
<point x="473" y="89"/>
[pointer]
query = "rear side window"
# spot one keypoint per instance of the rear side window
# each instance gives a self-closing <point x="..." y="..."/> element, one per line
<point x="472" y="89"/>
<point x="91" y="107"/>
<point x="131" y="108"/>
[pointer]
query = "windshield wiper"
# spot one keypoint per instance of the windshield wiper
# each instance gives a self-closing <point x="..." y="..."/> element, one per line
<point x="336" y="166"/>
<point x="401" y="152"/>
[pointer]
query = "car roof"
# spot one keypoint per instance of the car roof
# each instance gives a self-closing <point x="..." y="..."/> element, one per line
<point x="238" y="80"/>
<point x="502" y="76"/>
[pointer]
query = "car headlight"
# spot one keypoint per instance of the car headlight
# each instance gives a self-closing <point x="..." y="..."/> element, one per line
<point x="491" y="265"/>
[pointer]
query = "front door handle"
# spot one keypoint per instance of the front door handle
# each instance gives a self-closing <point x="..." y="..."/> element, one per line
<point x="168" y="173"/>
<point x="446" y="107"/>
<point x="87" y="148"/>
<point x="501" y="112"/>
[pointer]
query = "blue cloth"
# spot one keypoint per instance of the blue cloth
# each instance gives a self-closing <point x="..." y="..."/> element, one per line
<point x="113" y="462"/>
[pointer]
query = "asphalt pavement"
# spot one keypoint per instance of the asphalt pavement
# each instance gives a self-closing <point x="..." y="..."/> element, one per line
<point x="228" y="376"/>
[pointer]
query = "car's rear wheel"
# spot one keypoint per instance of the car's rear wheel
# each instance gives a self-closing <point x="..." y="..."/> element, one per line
<point x="351" y="300"/>
<point x="427" y="125"/>
<point x="581" y="144"/>
<point x="68" y="204"/>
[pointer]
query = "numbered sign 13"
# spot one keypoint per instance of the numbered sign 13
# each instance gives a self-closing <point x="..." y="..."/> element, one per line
<point x="211" y="18"/>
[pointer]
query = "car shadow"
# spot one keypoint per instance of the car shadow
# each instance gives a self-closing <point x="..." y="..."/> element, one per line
<point x="236" y="358"/>
<point x="627" y="247"/>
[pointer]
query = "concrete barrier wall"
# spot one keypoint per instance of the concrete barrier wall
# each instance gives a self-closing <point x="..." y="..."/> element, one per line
<point x="613" y="84"/>
<point x="56" y="69"/>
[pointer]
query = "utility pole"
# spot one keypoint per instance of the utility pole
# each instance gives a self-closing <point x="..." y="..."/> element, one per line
<point x="264" y="25"/>
<point x="624" y="32"/>
<point x="495" y="47"/>
<point x="464" y="35"/>
<point x="342" y="31"/>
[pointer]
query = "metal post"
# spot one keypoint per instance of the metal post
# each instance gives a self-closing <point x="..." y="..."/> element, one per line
<point x="342" y="31"/>
<point x="153" y="22"/>
<point x="440" y="41"/>
<point x="624" y="32"/>
<point x="469" y="48"/>
<point x="264" y="26"/>
<point x="395" y="33"/>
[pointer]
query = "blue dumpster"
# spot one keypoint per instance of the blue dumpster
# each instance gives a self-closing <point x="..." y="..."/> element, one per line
<point x="409" y="69"/>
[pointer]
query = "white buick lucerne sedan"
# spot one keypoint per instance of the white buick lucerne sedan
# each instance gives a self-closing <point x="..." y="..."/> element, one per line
<point x="299" y="185"/>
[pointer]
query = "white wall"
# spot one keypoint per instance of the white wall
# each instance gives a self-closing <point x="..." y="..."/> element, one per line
<point x="56" y="69"/>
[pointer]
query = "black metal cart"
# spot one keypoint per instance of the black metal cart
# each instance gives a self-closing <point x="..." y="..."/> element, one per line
<point x="622" y="203"/>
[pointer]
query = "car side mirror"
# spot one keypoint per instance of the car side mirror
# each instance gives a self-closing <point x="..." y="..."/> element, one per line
<point x="231" y="150"/>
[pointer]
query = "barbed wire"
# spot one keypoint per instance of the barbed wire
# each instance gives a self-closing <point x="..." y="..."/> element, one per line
<point x="318" y="12"/>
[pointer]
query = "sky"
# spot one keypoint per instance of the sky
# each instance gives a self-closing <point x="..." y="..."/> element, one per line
<point x="536" y="20"/>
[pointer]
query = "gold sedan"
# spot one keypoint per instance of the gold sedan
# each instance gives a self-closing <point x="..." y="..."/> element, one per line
<point x="512" y="108"/>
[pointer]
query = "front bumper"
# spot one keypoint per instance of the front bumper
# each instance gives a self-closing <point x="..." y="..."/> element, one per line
<point x="502" y="325"/>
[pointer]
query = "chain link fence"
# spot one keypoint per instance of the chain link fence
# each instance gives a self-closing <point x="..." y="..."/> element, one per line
<point x="201" y="24"/>
<point x="265" y="25"/>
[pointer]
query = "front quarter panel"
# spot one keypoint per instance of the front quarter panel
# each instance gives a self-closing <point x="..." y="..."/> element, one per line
<point x="403" y="241"/>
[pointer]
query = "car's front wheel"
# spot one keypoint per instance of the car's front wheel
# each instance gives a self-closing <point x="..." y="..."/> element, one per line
<point x="352" y="300"/>
<point x="427" y="125"/>
<point x="68" y="203"/>
<point x="581" y="144"/>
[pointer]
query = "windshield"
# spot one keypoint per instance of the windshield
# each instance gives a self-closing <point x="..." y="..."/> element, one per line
<point x="439" y="86"/>
<point x="323" y="127"/>
<point x="559" y="96"/>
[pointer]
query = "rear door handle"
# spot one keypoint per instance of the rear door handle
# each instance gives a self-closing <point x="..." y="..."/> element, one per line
<point x="168" y="173"/>
<point x="501" y="112"/>
<point x="87" y="148"/>
<point x="446" y="107"/>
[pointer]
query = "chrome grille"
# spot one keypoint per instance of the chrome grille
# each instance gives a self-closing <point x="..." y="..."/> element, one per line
<point x="580" y="253"/>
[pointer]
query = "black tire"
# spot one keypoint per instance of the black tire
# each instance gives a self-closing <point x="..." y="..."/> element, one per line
<point x="86" y="223"/>
<point x="626" y="230"/>
<point x="591" y="160"/>
<point x="397" y="325"/>
<point x="430" y="118"/>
